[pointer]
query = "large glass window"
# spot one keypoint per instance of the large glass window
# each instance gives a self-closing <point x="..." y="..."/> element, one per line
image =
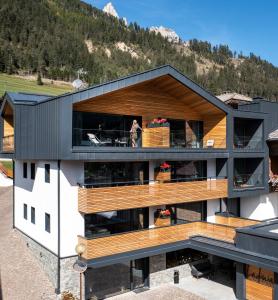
<point x="188" y="212"/>
<point x="108" y="223"/>
<point x="109" y="130"/>
<point x="184" y="256"/>
<point x="188" y="170"/>
<point x="248" y="172"/>
<point x="248" y="134"/>
<point x="101" y="174"/>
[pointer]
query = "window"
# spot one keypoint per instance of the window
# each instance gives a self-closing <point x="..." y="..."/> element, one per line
<point x="33" y="171"/>
<point x="47" y="222"/>
<point x="25" y="213"/>
<point x="25" y="170"/>
<point x="33" y="215"/>
<point x="47" y="173"/>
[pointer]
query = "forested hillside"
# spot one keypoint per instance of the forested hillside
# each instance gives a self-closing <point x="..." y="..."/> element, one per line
<point x="59" y="37"/>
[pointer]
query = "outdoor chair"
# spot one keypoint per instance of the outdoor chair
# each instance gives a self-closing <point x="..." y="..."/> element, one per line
<point x="97" y="142"/>
<point x="123" y="142"/>
<point x="201" y="269"/>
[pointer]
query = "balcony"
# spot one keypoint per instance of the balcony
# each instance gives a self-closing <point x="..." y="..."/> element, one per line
<point x="128" y="195"/>
<point x="244" y="181"/>
<point x="160" y="137"/>
<point x="121" y="243"/>
<point x="8" y="143"/>
<point x="248" y="134"/>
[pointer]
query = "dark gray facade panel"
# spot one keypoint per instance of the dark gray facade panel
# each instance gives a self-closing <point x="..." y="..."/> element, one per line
<point x="240" y="281"/>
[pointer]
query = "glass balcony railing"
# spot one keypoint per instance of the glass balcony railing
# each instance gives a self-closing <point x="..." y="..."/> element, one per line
<point x="248" y="143"/>
<point x="245" y="181"/>
<point x="160" y="137"/>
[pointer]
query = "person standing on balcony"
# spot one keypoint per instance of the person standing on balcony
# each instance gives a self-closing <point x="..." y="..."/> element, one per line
<point x="134" y="133"/>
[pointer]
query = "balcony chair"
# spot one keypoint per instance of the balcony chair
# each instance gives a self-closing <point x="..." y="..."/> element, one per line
<point x="210" y="143"/>
<point x="97" y="142"/>
<point x="123" y="142"/>
<point x="201" y="268"/>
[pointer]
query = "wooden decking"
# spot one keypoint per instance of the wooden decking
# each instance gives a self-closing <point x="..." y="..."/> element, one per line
<point x="93" y="200"/>
<point x="131" y="241"/>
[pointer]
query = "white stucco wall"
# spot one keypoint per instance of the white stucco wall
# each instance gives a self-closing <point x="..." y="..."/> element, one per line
<point x="211" y="168"/>
<point x="43" y="197"/>
<point x="71" y="221"/>
<point x="260" y="207"/>
<point x="213" y="206"/>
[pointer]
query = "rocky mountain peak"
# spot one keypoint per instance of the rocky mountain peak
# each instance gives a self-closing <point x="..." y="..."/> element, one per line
<point x="168" y="33"/>
<point x="110" y="10"/>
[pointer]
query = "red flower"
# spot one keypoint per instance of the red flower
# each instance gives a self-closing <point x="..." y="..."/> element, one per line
<point x="165" y="166"/>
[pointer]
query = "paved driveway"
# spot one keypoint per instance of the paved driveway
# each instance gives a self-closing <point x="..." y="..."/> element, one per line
<point x="21" y="277"/>
<point x="165" y="292"/>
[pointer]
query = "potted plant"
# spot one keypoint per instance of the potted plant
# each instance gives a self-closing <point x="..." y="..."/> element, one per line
<point x="162" y="217"/>
<point x="159" y="122"/>
<point x="164" y="213"/>
<point x="164" y="168"/>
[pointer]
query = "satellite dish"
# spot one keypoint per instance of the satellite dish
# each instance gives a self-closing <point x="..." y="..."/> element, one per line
<point x="78" y="84"/>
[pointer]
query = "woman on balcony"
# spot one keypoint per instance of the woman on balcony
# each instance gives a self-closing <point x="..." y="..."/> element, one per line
<point x="134" y="134"/>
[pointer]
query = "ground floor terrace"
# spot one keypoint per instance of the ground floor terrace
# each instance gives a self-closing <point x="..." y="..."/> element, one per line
<point x="176" y="254"/>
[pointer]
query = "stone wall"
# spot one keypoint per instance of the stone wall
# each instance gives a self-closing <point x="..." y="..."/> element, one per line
<point x="160" y="275"/>
<point x="48" y="260"/>
<point x="69" y="279"/>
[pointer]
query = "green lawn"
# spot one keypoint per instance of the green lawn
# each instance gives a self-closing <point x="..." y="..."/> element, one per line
<point x="7" y="164"/>
<point x="13" y="84"/>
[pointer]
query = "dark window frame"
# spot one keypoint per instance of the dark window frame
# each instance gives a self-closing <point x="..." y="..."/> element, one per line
<point x="25" y="211"/>
<point x="33" y="215"/>
<point x="47" y="222"/>
<point x="47" y="173"/>
<point x="33" y="171"/>
<point x="25" y="170"/>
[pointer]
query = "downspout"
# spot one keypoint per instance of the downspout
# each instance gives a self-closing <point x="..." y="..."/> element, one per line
<point x="13" y="194"/>
<point x="59" y="235"/>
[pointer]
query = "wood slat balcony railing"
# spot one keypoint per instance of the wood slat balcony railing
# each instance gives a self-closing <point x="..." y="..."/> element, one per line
<point x="234" y="221"/>
<point x="121" y="243"/>
<point x="8" y="143"/>
<point x="101" y="199"/>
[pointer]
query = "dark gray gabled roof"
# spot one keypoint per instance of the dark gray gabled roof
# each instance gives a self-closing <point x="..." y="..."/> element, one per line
<point x="26" y="98"/>
<point x="130" y="80"/>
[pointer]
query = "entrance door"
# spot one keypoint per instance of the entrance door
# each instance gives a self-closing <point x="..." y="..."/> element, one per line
<point x="139" y="273"/>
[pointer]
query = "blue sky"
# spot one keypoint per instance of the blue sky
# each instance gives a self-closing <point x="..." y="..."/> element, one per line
<point x="247" y="25"/>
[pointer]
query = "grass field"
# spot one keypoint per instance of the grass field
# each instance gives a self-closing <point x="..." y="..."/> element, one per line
<point x="14" y="84"/>
<point x="7" y="164"/>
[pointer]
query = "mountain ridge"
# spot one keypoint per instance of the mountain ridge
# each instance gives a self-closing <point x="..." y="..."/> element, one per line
<point x="59" y="37"/>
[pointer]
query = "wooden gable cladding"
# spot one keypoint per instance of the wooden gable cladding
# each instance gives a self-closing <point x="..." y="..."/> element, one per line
<point x="163" y="97"/>
<point x="136" y="240"/>
<point x="93" y="200"/>
<point x="8" y="129"/>
<point x="215" y="129"/>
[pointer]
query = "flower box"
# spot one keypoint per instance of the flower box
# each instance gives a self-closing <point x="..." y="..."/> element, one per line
<point x="156" y="137"/>
<point x="163" y="173"/>
<point x="162" y="217"/>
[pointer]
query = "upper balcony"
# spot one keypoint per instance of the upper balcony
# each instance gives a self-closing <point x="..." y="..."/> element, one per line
<point x="248" y="134"/>
<point x="161" y="113"/>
